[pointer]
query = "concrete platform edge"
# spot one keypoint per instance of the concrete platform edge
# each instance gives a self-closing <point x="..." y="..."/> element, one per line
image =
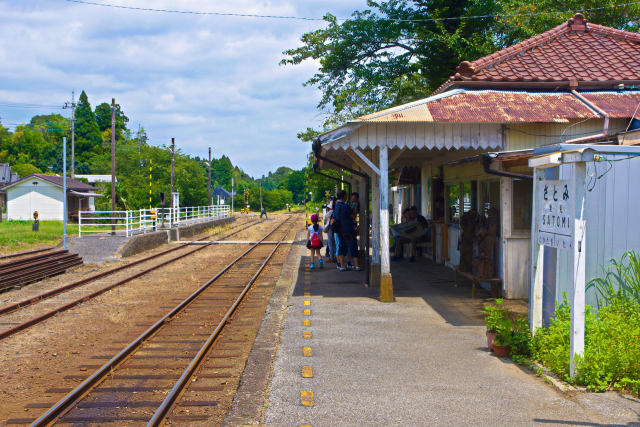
<point x="248" y="406"/>
<point x="145" y="242"/>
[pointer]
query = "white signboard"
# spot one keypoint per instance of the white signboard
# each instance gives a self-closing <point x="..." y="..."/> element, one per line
<point x="555" y="217"/>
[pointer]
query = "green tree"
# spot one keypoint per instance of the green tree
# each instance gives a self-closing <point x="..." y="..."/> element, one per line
<point x="103" y="119"/>
<point x="398" y="51"/>
<point x="24" y="169"/>
<point x="221" y="171"/>
<point x="88" y="137"/>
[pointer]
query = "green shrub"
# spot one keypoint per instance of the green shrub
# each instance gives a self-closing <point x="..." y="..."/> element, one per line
<point x="493" y="314"/>
<point x="622" y="278"/>
<point x="612" y="346"/>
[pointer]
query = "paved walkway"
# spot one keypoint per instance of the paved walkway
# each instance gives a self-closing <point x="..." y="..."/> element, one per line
<point x="420" y="361"/>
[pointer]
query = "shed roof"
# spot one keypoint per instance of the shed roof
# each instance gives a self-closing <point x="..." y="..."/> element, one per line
<point x="72" y="184"/>
<point x="499" y="106"/>
<point x="575" y="51"/>
<point x="221" y="192"/>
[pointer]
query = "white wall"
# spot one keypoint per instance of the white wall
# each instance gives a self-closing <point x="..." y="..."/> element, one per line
<point x="612" y="209"/>
<point x="25" y="198"/>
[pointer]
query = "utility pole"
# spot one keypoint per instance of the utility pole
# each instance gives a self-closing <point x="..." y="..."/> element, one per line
<point x="113" y="162"/>
<point x="72" y="105"/>
<point x="64" y="192"/>
<point x="260" y="196"/>
<point x="209" y="187"/>
<point x="173" y="166"/>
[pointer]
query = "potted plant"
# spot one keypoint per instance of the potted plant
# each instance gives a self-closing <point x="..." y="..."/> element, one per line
<point x="493" y="315"/>
<point x="504" y="338"/>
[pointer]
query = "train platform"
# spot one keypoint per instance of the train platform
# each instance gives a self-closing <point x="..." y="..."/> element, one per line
<point x="344" y="358"/>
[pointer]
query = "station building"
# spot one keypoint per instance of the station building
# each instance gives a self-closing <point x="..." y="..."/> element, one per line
<point x="466" y="147"/>
<point x="44" y="194"/>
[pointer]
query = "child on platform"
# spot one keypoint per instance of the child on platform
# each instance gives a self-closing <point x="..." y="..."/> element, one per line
<point x="314" y="241"/>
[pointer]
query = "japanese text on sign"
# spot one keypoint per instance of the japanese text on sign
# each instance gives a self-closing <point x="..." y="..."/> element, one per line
<point x="555" y="217"/>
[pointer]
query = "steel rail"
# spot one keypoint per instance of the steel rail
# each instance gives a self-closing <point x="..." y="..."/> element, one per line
<point x="38" y="319"/>
<point x="35" y="251"/>
<point x="177" y="390"/>
<point x="67" y="402"/>
<point x="12" y="264"/>
<point x="49" y="294"/>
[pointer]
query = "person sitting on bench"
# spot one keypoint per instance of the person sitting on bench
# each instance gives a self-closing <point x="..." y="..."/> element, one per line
<point x="415" y="229"/>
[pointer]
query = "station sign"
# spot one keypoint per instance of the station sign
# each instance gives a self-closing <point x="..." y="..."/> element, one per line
<point x="555" y="220"/>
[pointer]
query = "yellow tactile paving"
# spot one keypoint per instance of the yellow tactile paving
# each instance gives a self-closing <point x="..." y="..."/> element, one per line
<point x="307" y="372"/>
<point x="306" y="312"/>
<point x="306" y="398"/>
<point x="306" y="302"/>
<point x="306" y="334"/>
<point x="306" y="322"/>
<point x="307" y="351"/>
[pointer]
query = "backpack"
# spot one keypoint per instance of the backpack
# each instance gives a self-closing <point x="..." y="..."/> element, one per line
<point x="315" y="241"/>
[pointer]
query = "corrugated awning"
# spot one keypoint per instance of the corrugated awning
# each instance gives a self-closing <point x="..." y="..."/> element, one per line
<point x="78" y="193"/>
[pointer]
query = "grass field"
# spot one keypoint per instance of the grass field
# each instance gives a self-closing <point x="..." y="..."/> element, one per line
<point x="17" y="235"/>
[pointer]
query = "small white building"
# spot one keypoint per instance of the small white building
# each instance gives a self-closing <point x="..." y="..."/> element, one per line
<point x="44" y="194"/>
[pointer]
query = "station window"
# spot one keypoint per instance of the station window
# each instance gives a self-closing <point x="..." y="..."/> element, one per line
<point x="453" y="202"/>
<point x="522" y="195"/>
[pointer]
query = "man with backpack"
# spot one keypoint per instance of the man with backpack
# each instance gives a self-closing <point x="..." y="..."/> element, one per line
<point x="342" y="223"/>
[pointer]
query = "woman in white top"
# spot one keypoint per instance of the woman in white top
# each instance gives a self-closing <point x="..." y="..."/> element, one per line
<point x="331" y="244"/>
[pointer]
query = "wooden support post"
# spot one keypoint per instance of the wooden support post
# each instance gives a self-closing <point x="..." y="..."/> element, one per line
<point x="579" y="259"/>
<point x="386" y="283"/>
<point x="375" y="232"/>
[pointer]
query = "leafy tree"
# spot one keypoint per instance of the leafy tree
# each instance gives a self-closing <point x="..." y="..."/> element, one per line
<point x="398" y="51"/>
<point x="88" y="137"/>
<point x="221" y="171"/>
<point x="103" y="119"/>
<point x="24" y="169"/>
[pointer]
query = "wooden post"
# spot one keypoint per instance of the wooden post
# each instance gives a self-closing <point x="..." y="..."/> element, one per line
<point x="173" y="167"/>
<point x="209" y="187"/>
<point x="579" y="259"/>
<point x="386" y="283"/>
<point x="537" y="260"/>
<point x="375" y="232"/>
<point x="113" y="163"/>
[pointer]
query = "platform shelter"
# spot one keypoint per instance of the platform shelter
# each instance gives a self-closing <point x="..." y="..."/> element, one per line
<point x="464" y="150"/>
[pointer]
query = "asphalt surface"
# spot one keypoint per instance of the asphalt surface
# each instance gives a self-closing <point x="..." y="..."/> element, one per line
<point x="419" y="361"/>
<point x="96" y="249"/>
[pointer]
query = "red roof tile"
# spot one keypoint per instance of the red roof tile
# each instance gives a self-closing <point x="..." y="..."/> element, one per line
<point x="573" y="51"/>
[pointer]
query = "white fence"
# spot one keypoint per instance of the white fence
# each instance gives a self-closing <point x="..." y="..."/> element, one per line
<point x="128" y="223"/>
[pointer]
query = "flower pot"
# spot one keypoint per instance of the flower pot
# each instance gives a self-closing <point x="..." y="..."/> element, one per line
<point x="491" y="336"/>
<point x="501" y="350"/>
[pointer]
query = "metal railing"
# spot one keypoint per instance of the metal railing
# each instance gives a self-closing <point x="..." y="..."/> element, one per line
<point x="139" y="221"/>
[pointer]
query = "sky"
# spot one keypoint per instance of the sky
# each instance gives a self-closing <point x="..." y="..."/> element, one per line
<point x="203" y="80"/>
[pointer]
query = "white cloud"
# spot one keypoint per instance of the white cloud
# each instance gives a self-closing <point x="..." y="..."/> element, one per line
<point x="204" y="80"/>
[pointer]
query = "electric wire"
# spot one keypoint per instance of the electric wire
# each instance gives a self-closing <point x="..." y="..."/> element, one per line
<point x="306" y="18"/>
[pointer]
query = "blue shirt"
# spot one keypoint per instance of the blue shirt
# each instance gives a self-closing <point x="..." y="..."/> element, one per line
<point x="342" y="215"/>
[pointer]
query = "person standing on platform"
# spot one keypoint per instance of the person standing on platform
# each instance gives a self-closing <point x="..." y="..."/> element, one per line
<point x="314" y="241"/>
<point x="331" y="243"/>
<point x="342" y="224"/>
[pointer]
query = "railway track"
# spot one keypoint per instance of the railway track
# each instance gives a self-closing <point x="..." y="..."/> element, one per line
<point x="36" y="267"/>
<point x="169" y="373"/>
<point x="27" y="313"/>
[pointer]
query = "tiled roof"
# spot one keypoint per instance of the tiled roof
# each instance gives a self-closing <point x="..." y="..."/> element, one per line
<point x="575" y="51"/>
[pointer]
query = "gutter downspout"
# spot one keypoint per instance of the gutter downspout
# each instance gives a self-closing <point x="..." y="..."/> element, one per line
<point x="486" y="160"/>
<point x="605" y="129"/>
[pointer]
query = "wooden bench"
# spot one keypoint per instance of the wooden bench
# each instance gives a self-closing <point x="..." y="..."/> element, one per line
<point x="495" y="283"/>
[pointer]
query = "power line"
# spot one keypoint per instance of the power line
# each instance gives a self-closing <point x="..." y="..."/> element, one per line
<point x="305" y="18"/>
<point x="24" y="105"/>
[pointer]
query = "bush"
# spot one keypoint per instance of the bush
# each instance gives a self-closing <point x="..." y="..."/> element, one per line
<point x="511" y="329"/>
<point x="612" y="346"/>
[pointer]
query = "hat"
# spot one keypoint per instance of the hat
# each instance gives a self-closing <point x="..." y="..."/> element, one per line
<point x="314" y="217"/>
